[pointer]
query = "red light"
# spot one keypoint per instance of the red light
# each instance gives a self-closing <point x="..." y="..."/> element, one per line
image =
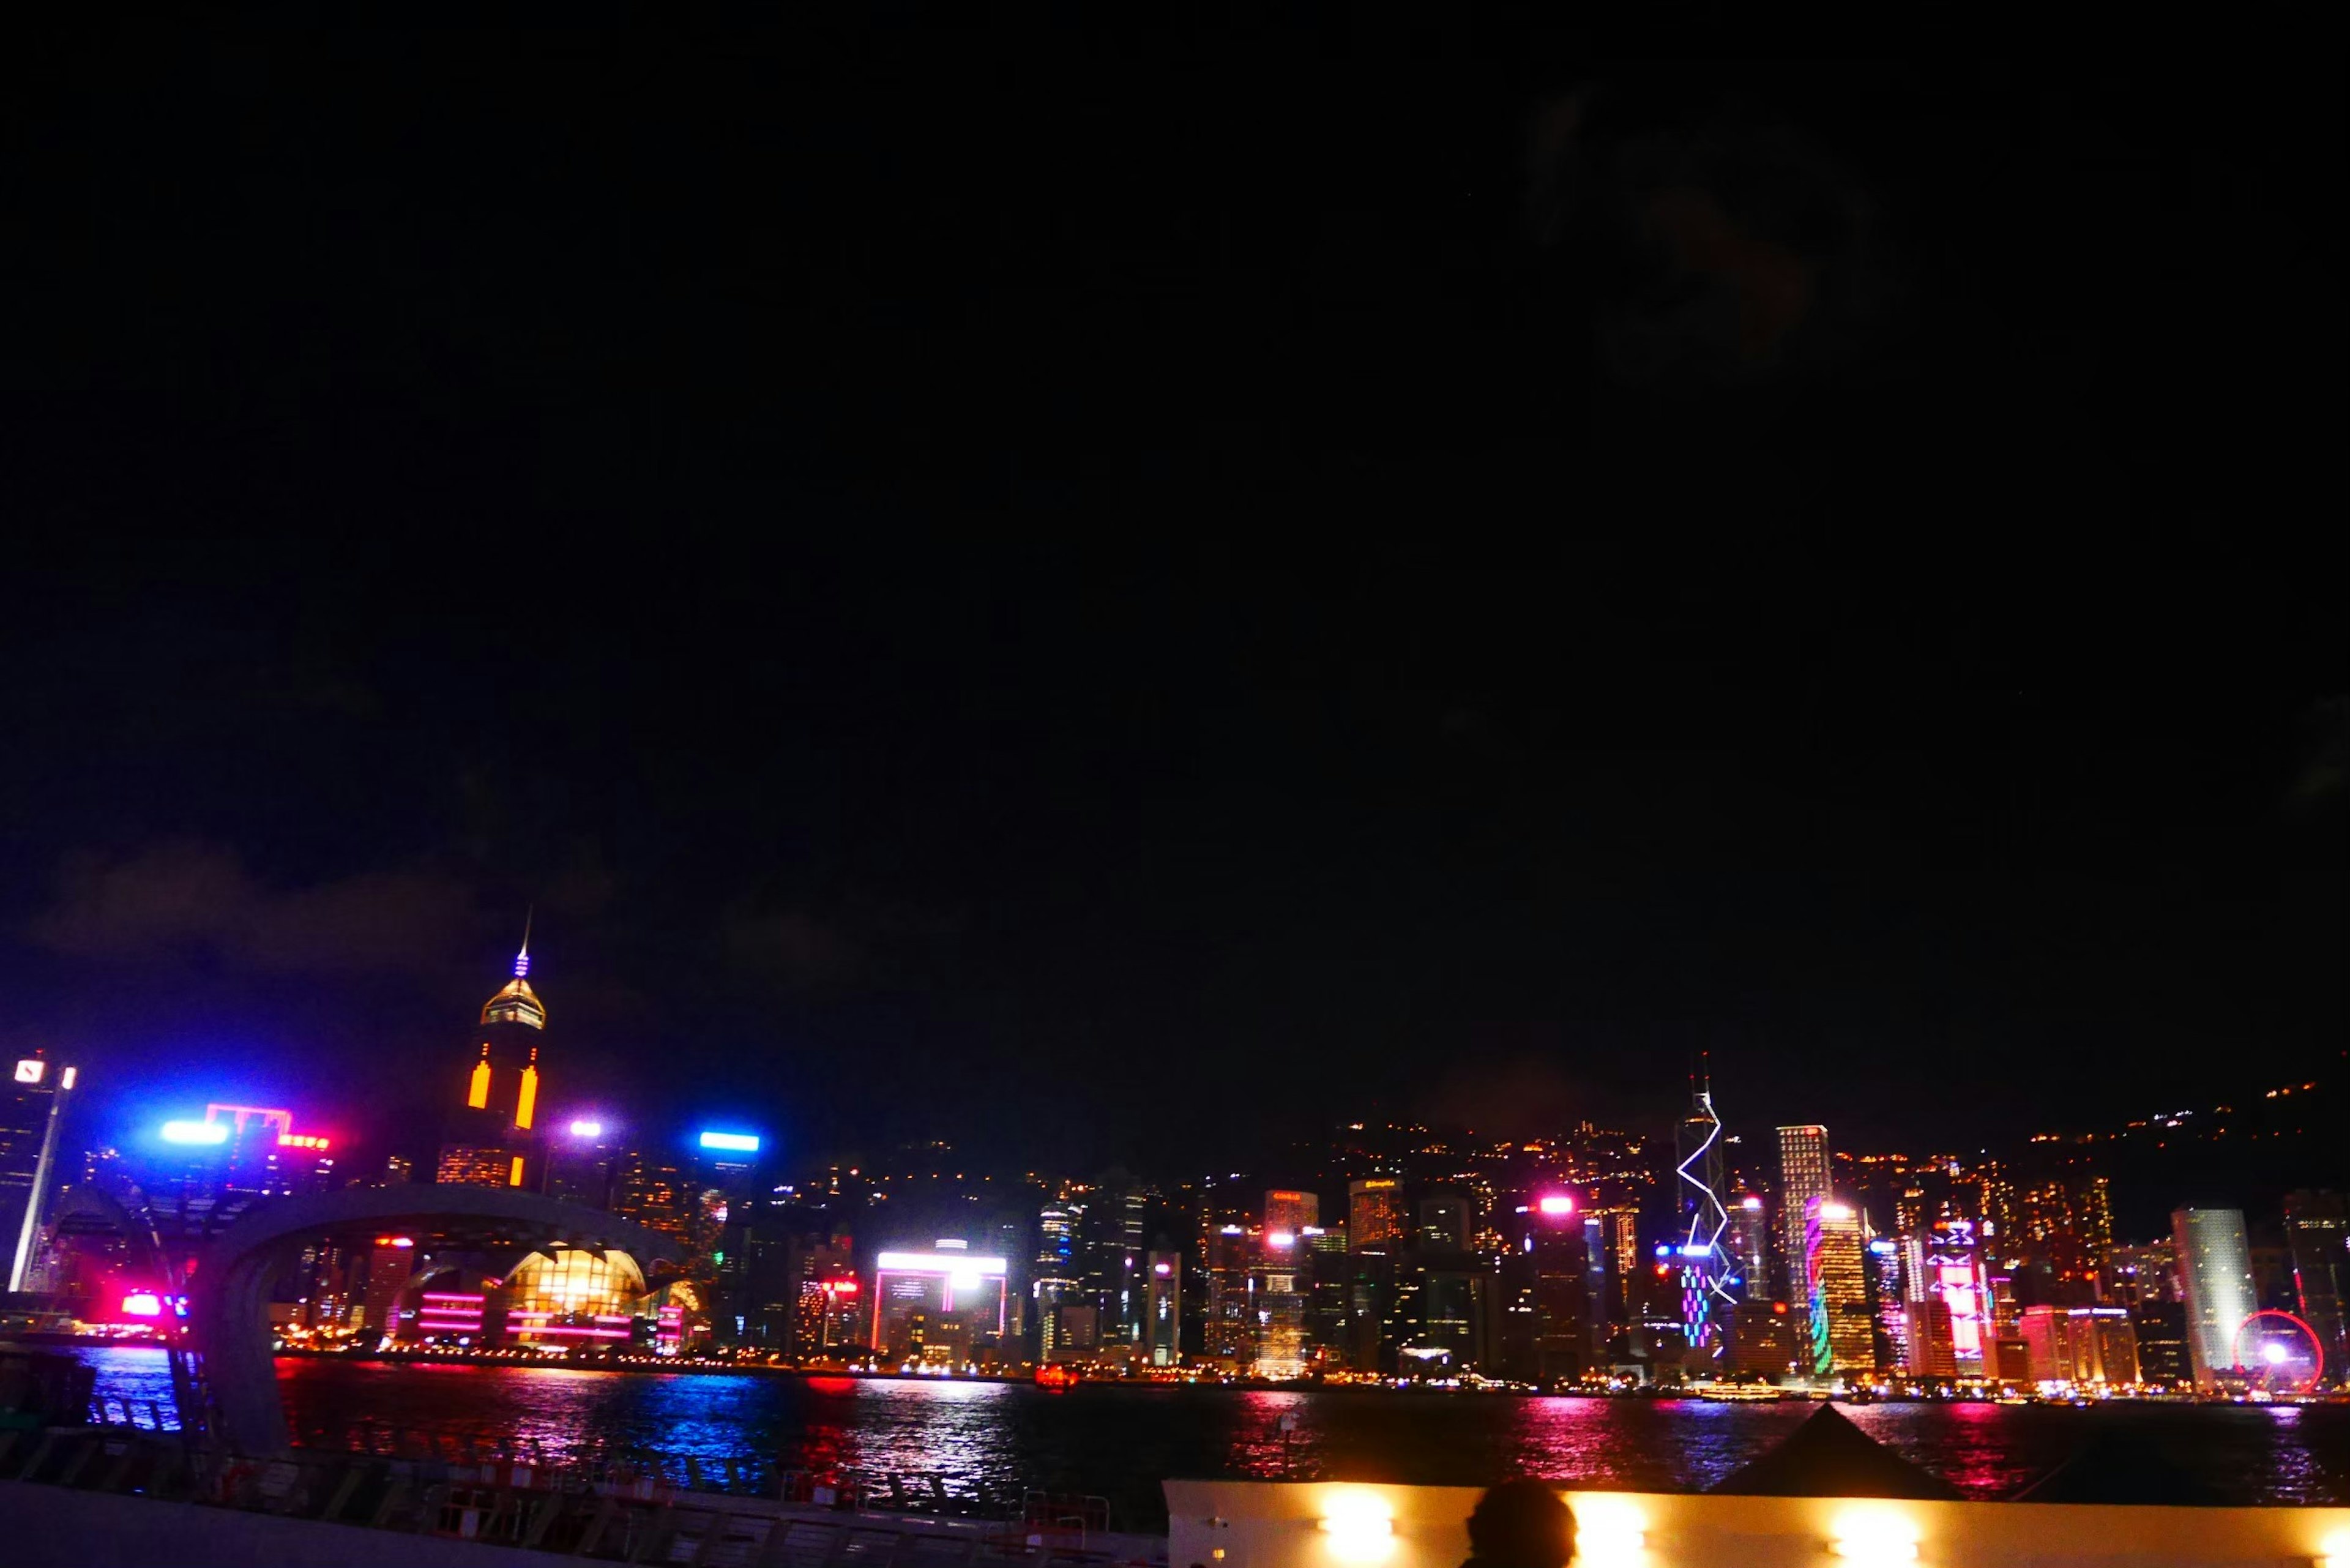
<point x="143" y="1304"/>
<point x="1663" y="1268"/>
<point x="1779" y="1307"/>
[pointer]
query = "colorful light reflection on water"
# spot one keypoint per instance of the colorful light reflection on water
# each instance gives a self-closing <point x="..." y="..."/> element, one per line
<point x="1120" y="1442"/>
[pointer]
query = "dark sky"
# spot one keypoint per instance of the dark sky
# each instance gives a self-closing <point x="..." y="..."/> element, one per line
<point x="1098" y="603"/>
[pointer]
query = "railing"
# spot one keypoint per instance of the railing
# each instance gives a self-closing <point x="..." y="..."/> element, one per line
<point x="111" y="1411"/>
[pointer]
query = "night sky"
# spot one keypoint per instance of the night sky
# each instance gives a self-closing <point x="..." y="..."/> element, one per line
<point x="1097" y="609"/>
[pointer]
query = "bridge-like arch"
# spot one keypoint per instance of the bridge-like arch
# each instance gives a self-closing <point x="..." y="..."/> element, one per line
<point x="228" y="1307"/>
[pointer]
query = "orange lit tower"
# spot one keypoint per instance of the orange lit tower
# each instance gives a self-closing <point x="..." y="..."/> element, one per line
<point x="490" y="1142"/>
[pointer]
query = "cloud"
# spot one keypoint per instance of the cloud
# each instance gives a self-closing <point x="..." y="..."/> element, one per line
<point x="789" y="946"/>
<point x="190" y="898"/>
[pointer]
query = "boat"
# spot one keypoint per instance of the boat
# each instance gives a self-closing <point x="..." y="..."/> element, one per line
<point x="1056" y="1376"/>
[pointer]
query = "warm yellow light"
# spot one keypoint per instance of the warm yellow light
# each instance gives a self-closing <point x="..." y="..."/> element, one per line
<point x="1360" y="1526"/>
<point x="514" y="1176"/>
<point x="2335" y="1552"/>
<point x="1875" y="1537"/>
<point x="528" y="1103"/>
<point x="479" y="1095"/>
<point x="1609" y="1532"/>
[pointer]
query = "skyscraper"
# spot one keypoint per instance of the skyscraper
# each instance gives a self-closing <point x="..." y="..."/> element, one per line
<point x="1163" y="1313"/>
<point x="1444" y="1223"/>
<point x="1375" y="1214"/>
<point x="1291" y="1211"/>
<point x="30" y="1112"/>
<point x="488" y="1142"/>
<point x="2317" y="1236"/>
<point x="1750" y="1247"/>
<point x="1055" y="1283"/>
<point x="1229" y="1335"/>
<point x="1802" y="1177"/>
<point x="1842" y="1337"/>
<point x="1704" y="1261"/>
<point x="2215" y="1267"/>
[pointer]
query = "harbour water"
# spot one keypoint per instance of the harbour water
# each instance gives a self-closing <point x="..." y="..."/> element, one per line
<point x="1121" y="1441"/>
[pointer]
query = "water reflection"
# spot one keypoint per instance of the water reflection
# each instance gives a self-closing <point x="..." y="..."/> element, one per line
<point x="1120" y="1442"/>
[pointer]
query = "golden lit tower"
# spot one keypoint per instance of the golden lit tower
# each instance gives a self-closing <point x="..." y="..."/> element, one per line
<point x="506" y="1076"/>
<point x="489" y="1142"/>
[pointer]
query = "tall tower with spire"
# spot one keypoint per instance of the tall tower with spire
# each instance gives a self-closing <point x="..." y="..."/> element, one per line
<point x="1705" y="1263"/>
<point x="489" y="1142"/>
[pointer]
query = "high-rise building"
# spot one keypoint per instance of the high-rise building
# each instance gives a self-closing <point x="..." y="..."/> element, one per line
<point x="207" y="1173"/>
<point x="1930" y="1349"/>
<point x="1842" y="1337"/>
<point x="1111" y="1254"/>
<point x="1802" y="1177"/>
<point x="2080" y="1345"/>
<point x="489" y="1141"/>
<point x="1545" y="1300"/>
<point x="1230" y="1332"/>
<point x="1290" y="1212"/>
<point x="1281" y="1308"/>
<point x="1444" y="1223"/>
<point x="1750" y="1247"/>
<point x="1328" y="1272"/>
<point x="1163" y="1310"/>
<point x="1054" y="1284"/>
<point x="1892" y="1305"/>
<point x="2145" y="1274"/>
<point x="31" y="1111"/>
<point x="1704" y="1261"/>
<point x="583" y="1163"/>
<point x="1944" y="1265"/>
<point x="2317" y="1237"/>
<point x="1375" y="1214"/>
<point x="2160" y="1329"/>
<point x="2215" y="1268"/>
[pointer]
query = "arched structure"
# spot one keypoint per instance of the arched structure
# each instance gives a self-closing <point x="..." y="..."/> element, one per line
<point x="85" y="1211"/>
<point x="229" y="1292"/>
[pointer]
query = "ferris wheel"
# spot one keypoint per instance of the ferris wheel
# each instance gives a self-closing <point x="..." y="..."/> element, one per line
<point x="2279" y="1353"/>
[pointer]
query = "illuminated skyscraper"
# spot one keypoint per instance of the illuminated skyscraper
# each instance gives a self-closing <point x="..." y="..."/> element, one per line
<point x="1842" y="1338"/>
<point x="1943" y="1268"/>
<point x="1055" y="1283"/>
<point x="1802" y="1177"/>
<point x="1291" y="1211"/>
<point x="1703" y="1261"/>
<point x="1750" y="1247"/>
<point x="1280" y="1308"/>
<point x="31" y="1108"/>
<point x="489" y="1142"/>
<point x="1892" y="1314"/>
<point x="1163" y="1311"/>
<point x="1230" y="1330"/>
<point x="514" y="1022"/>
<point x="2215" y="1266"/>
<point x="2080" y="1345"/>
<point x="1375" y="1214"/>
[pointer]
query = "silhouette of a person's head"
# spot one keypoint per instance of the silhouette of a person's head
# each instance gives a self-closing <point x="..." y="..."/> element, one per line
<point x="1521" y="1524"/>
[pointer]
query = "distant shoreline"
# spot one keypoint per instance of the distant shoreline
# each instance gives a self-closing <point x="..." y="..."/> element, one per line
<point x="725" y="1369"/>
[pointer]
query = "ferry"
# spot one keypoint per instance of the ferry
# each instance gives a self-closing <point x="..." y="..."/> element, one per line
<point x="1058" y="1377"/>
